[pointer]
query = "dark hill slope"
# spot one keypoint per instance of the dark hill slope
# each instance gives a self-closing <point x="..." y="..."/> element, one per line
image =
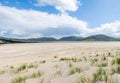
<point x="99" y="38"/>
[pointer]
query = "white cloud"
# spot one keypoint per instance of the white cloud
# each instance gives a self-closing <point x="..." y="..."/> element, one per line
<point x="30" y="23"/>
<point x="25" y="23"/>
<point x="61" y="5"/>
<point x="110" y="29"/>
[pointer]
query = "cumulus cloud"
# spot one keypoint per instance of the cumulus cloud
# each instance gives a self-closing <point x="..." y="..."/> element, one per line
<point x="61" y="5"/>
<point x="24" y="23"/>
<point x="110" y="29"/>
<point x="31" y="23"/>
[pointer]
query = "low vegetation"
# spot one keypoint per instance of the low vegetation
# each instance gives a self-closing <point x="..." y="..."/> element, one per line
<point x="95" y="68"/>
<point x="2" y="72"/>
<point x="100" y="75"/>
<point x="21" y="68"/>
<point x="24" y="78"/>
<point x="19" y="80"/>
<point x="74" y="70"/>
<point x="118" y="61"/>
<point x="71" y="59"/>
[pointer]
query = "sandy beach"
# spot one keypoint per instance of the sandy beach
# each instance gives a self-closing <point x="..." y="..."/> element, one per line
<point x="60" y="62"/>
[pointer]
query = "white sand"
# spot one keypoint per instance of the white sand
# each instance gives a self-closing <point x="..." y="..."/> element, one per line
<point x="17" y="54"/>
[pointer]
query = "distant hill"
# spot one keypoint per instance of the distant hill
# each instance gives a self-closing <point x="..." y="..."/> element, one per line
<point x="70" y="38"/>
<point x="4" y="40"/>
<point x="1" y="42"/>
<point x="42" y="39"/>
<point x="99" y="37"/>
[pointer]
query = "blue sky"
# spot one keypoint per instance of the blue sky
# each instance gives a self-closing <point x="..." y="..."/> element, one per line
<point x="84" y="18"/>
<point x="97" y="12"/>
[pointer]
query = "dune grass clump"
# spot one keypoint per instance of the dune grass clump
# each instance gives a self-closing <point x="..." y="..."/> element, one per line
<point x="70" y="59"/>
<point x="83" y="79"/>
<point x="21" y="68"/>
<point x="97" y="55"/>
<point x="74" y="60"/>
<point x="43" y="61"/>
<point x="100" y="75"/>
<point x="66" y="59"/>
<point x="117" y="69"/>
<point x="11" y="67"/>
<point x="19" y="80"/>
<point x="30" y="66"/>
<point x="74" y="70"/>
<point x="36" y="74"/>
<point x="2" y="72"/>
<point x="24" y="78"/>
<point x="103" y="58"/>
<point x="94" y="61"/>
<point x="113" y="62"/>
<point x="103" y="64"/>
<point x="55" y="57"/>
<point x="109" y="54"/>
<point x="118" y="61"/>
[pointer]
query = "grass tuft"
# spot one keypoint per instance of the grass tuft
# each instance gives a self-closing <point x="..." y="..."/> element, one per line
<point x="100" y="75"/>
<point x="21" y="68"/>
<point x="2" y="72"/>
<point x="118" y="61"/>
<point x="19" y="80"/>
<point x="74" y="70"/>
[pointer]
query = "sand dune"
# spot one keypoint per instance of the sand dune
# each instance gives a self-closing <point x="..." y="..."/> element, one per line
<point x="59" y="62"/>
